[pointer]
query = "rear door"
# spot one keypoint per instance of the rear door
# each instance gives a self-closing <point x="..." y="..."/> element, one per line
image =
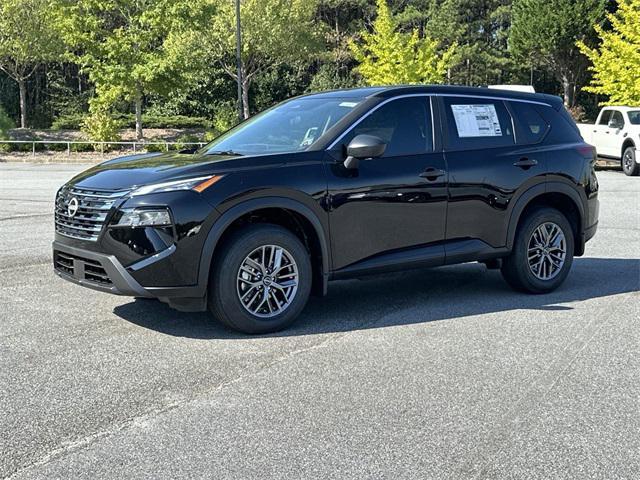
<point x="394" y="202"/>
<point x="492" y="154"/>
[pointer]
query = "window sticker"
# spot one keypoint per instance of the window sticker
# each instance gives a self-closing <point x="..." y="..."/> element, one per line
<point x="476" y="120"/>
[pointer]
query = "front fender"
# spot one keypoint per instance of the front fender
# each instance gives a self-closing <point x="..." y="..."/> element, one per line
<point x="237" y="211"/>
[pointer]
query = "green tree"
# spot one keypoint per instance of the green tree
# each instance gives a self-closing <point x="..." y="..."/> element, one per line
<point x="28" y="38"/>
<point x="616" y="63"/>
<point x="273" y="32"/>
<point x="388" y="56"/>
<point x="5" y="124"/>
<point x="132" y="48"/>
<point x="545" y="32"/>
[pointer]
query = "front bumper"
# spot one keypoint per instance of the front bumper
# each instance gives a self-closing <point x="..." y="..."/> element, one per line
<point x="105" y="273"/>
<point x="95" y="270"/>
<point x="590" y="232"/>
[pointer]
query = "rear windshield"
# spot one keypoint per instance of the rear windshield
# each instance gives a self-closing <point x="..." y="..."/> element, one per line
<point x="634" y="117"/>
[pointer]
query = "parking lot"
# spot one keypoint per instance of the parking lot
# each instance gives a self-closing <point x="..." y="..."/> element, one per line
<point x="443" y="373"/>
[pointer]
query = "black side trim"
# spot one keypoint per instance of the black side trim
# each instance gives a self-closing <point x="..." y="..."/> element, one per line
<point x="447" y="253"/>
<point x="429" y="256"/>
<point x="471" y="250"/>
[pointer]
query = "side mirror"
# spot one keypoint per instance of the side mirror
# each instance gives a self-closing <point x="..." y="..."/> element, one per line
<point x="361" y="147"/>
<point x="613" y="124"/>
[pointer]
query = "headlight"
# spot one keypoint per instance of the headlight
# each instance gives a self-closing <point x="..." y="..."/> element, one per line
<point x="198" y="184"/>
<point x="143" y="218"/>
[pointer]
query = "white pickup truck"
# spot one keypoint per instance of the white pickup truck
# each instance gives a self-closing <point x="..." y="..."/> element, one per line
<point x="616" y="134"/>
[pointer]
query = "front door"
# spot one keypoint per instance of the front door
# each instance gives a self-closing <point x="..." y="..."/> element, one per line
<point x="602" y="134"/>
<point x="613" y="138"/>
<point x="394" y="202"/>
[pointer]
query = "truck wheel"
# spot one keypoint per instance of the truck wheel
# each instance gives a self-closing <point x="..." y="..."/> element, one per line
<point x="629" y="165"/>
<point x="261" y="279"/>
<point x="542" y="252"/>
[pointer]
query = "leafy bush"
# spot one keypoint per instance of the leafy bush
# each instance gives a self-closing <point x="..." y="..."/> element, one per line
<point x="185" y="142"/>
<point x="101" y="127"/>
<point x="155" y="147"/>
<point x="226" y="116"/>
<point x="5" y="124"/>
<point x="82" y="147"/>
<point x="124" y="120"/>
<point x="175" y="121"/>
<point x="70" y="121"/>
<point x="211" y="135"/>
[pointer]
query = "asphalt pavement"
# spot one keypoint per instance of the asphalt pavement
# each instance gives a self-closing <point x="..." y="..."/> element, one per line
<point x="434" y="374"/>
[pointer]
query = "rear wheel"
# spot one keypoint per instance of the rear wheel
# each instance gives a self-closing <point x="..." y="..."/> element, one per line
<point x="629" y="165"/>
<point x="261" y="279"/>
<point x="542" y="252"/>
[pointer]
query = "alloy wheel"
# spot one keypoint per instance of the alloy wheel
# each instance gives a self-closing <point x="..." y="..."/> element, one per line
<point x="267" y="281"/>
<point x="547" y="250"/>
<point x="628" y="161"/>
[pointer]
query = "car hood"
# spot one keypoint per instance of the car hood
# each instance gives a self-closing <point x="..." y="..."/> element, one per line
<point x="136" y="170"/>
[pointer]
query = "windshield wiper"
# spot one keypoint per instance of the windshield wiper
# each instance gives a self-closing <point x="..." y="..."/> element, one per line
<point x="225" y="152"/>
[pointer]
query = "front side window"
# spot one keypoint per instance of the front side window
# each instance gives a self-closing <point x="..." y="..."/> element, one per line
<point x="474" y="123"/>
<point x="634" y="117"/>
<point x="617" y="120"/>
<point x="403" y="124"/>
<point x="292" y="126"/>
<point x="605" y="117"/>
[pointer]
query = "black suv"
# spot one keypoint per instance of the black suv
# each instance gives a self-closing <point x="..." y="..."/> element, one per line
<point x="331" y="186"/>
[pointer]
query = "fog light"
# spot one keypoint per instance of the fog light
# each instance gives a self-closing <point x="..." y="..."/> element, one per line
<point x="143" y="218"/>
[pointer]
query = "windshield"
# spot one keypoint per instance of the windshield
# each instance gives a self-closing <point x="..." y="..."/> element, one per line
<point x="634" y="117"/>
<point x="292" y="126"/>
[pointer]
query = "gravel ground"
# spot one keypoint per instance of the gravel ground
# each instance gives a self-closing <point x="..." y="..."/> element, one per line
<point x="441" y="374"/>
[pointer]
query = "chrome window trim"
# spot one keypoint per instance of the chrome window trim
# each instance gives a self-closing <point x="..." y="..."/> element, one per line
<point x="410" y="95"/>
<point x="376" y="107"/>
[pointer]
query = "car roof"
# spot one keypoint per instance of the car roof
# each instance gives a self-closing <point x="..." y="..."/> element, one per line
<point x="390" y="91"/>
<point x="623" y="108"/>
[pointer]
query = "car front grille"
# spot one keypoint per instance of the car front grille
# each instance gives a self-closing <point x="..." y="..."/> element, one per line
<point x="81" y="268"/>
<point x="81" y="213"/>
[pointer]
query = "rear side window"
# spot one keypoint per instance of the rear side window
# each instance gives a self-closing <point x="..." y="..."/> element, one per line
<point x="562" y="127"/>
<point x="634" y="117"/>
<point x="403" y="124"/>
<point x="475" y="123"/>
<point x="531" y="126"/>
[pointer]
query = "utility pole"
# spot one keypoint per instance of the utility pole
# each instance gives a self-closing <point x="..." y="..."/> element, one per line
<point x="239" y="62"/>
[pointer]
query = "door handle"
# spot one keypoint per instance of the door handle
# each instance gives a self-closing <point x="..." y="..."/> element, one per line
<point x="526" y="163"/>
<point x="432" y="173"/>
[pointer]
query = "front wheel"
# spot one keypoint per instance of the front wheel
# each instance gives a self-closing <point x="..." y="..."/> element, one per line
<point x="629" y="165"/>
<point x="542" y="252"/>
<point x="261" y="279"/>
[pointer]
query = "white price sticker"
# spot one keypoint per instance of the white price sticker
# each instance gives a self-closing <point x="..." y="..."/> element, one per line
<point x="476" y="120"/>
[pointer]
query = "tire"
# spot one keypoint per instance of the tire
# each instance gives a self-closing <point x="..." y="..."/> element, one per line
<point x="273" y="308"/>
<point x="516" y="268"/>
<point x="629" y="165"/>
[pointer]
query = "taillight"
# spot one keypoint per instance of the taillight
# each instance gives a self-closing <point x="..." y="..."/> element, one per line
<point x="587" y="151"/>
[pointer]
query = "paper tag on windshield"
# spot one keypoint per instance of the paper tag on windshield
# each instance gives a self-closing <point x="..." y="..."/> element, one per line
<point x="476" y="120"/>
<point x="348" y="104"/>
